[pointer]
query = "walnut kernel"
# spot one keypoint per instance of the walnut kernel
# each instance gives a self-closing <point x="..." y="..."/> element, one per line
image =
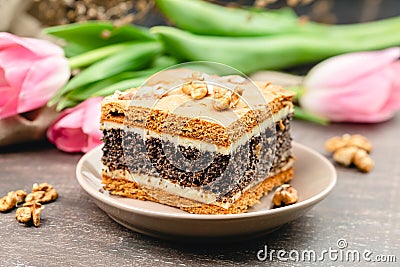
<point x="20" y="196"/>
<point x="235" y="96"/>
<point x="195" y="89"/>
<point x="347" y="140"/>
<point x="351" y="149"/>
<point x="12" y="198"/>
<point x="224" y="98"/>
<point x="29" y="212"/>
<point x="198" y="92"/>
<point x="345" y="155"/>
<point x="285" y="195"/>
<point x="42" y="193"/>
<point x="222" y="103"/>
<point x="219" y="92"/>
<point x="334" y="143"/>
<point x="360" y="142"/>
<point x="187" y="88"/>
<point x="363" y="161"/>
<point x="23" y="214"/>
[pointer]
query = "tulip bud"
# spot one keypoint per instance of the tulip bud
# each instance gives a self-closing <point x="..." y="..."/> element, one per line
<point x="355" y="87"/>
<point x="77" y="129"/>
<point x="31" y="72"/>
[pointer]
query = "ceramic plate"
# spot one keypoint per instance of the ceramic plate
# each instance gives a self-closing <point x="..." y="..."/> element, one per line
<point x="314" y="178"/>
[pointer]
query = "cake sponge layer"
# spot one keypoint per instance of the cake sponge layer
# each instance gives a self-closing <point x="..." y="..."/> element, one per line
<point x="122" y="187"/>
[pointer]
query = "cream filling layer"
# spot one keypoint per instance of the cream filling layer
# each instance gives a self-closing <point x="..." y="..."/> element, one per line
<point x="192" y="193"/>
<point x="202" y="145"/>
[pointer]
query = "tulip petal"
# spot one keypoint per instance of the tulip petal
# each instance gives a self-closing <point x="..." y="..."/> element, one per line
<point x="393" y="102"/>
<point x="8" y="102"/>
<point x="8" y="98"/>
<point x="365" y="96"/>
<point x="91" y="120"/>
<point x="93" y="141"/>
<point x="7" y="93"/>
<point x="15" y="56"/>
<point x="345" y="68"/>
<point x="3" y="80"/>
<point x="72" y="118"/>
<point x="358" y="101"/>
<point x="313" y="102"/>
<point x="77" y="129"/>
<point x="42" y="81"/>
<point x="361" y="118"/>
<point x="71" y="140"/>
<point x="15" y="74"/>
<point x="36" y="46"/>
<point x="32" y="70"/>
<point x="52" y="133"/>
<point x="356" y="87"/>
<point x="91" y="125"/>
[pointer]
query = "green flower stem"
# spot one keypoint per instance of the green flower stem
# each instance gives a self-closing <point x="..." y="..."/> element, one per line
<point x="301" y="114"/>
<point x="135" y="57"/>
<point x="92" y="56"/>
<point x="250" y="54"/>
<point x="298" y="90"/>
<point x="65" y="102"/>
<point x="205" y="18"/>
<point x="122" y="86"/>
<point x="85" y="36"/>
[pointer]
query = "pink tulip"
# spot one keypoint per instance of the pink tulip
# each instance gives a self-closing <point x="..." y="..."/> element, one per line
<point x="355" y="87"/>
<point x="77" y="129"/>
<point x="31" y="72"/>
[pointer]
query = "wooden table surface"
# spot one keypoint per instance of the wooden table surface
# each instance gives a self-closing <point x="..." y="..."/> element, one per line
<point x="363" y="209"/>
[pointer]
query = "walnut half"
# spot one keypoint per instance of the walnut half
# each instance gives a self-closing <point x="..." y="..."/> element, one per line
<point x="224" y="98"/>
<point x="29" y="212"/>
<point x="42" y="193"/>
<point x="12" y="198"/>
<point x="348" y="140"/>
<point x="351" y="149"/>
<point x="285" y="195"/>
<point x="196" y="89"/>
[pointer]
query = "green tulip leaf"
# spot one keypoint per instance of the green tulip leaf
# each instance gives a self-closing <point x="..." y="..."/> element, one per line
<point x="135" y="57"/>
<point x="85" y="36"/>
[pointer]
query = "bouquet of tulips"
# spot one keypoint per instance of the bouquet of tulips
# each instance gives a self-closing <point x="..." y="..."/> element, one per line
<point x="351" y="85"/>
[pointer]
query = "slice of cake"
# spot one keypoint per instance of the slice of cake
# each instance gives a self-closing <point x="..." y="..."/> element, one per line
<point x="203" y="143"/>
